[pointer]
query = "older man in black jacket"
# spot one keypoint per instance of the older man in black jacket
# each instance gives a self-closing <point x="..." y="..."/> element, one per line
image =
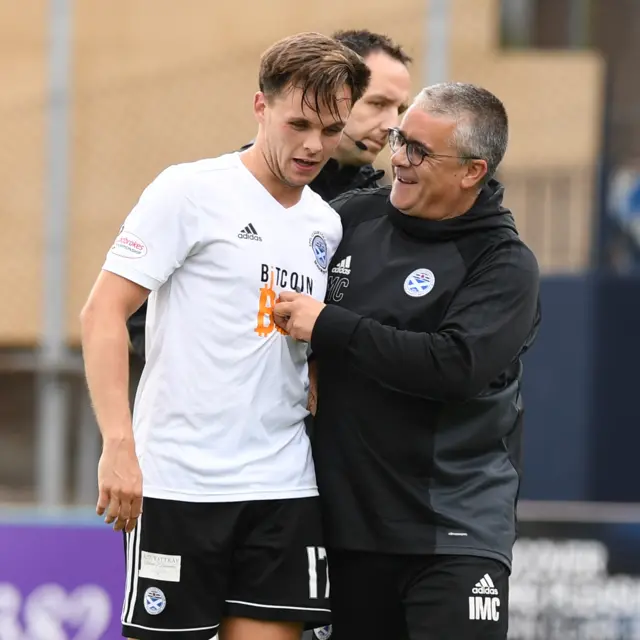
<point x="432" y="300"/>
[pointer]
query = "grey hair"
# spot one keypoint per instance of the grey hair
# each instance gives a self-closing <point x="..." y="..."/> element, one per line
<point x="483" y="127"/>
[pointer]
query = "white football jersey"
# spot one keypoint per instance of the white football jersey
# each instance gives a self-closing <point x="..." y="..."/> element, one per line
<point x="219" y="411"/>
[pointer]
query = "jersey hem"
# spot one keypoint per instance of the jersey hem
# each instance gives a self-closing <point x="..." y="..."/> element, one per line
<point x="252" y="496"/>
<point x="444" y="550"/>
<point x="470" y="551"/>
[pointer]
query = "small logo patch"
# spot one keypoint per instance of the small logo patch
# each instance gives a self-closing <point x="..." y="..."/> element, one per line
<point x="154" y="601"/>
<point x="320" y="252"/>
<point x="249" y="233"/>
<point x="128" y="245"/>
<point x="323" y="633"/>
<point x="419" y="282"/>
<point x="485" y="587"/>
<point x="343" y="267"/>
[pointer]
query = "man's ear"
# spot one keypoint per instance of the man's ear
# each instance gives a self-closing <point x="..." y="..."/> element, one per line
<point x="259" y="106"/>
<point x="476" y="171"/>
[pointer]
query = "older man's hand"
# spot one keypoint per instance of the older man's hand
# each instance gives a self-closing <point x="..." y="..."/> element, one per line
<point x="297" y="313"/>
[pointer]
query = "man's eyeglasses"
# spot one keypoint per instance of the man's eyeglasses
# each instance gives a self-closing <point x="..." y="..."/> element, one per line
<point x="416" y="151"/>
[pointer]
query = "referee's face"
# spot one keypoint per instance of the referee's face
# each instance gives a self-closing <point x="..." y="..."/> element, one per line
<point x="379" y="109"/>
<point x="297" y="139"/>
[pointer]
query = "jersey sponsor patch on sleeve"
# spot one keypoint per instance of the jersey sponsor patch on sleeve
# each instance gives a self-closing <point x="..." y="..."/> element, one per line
<point x="128" y="245"/>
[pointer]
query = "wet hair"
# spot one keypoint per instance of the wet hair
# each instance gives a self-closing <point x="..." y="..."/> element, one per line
<point x="316" y="64"/>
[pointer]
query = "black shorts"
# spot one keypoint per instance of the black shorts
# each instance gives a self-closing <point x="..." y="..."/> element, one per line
<point x="191" y="564"/>
<point x="378" y="597"/>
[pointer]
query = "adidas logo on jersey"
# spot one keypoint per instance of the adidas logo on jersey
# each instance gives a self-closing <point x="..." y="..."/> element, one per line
<point x="485" y="587"/>
<point x="249" y="233"/>
<point x="343" y="267"/>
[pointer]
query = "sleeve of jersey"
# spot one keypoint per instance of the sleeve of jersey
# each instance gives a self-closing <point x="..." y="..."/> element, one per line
<point x="157" y="235"/>
<point x="485" y="329"/>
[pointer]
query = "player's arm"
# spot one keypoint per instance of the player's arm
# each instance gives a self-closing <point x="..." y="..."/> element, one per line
<point x="155" y="240"/>
<point x="105" y="346"/>
<point x="485" y="328"/>
<point x="105" y="350"/>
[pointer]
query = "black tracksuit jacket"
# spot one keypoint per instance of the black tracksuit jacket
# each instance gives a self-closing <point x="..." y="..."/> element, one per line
<point x="331" y="182"/>
<point x="418" y="426"/>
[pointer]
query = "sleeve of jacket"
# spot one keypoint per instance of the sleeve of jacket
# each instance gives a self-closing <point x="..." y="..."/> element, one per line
<point x="136" y="326"/>
<point x="486" y="326"/>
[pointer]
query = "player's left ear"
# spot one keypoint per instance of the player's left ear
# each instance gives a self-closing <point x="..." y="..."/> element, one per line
<point x="259" y="106"/>
<point x="476" y="170"/>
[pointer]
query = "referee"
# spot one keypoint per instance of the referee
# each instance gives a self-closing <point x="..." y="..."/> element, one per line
<point x="365" y="135"/>
<point x="432" y="301"/>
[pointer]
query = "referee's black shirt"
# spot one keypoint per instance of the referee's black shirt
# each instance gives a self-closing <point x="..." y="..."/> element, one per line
<point x="418" y="426"/>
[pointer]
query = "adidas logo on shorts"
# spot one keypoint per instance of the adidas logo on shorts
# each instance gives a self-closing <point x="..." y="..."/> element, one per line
<point x="249" y="233"/>
<point x="484" y="604"/>
<point x="485" y="587"/>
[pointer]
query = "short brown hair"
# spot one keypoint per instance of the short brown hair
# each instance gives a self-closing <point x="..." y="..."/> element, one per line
<point x="317" y="65"/>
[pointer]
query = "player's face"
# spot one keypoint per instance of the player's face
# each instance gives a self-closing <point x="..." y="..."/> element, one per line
<point x="429" y="179"/>
<point x="377" y="111"/>
<point x="299" y="141"/>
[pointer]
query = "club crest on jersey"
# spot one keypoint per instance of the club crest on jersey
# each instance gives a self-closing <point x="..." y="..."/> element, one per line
<point x="419" y="282"/>
<point x="318" y="245"/>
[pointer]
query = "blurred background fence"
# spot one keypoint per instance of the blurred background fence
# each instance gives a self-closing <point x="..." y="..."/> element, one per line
<point x="98" y="97"/>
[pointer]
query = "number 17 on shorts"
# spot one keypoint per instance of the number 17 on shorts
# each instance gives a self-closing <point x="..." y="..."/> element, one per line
<point x="318" y="572"/>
